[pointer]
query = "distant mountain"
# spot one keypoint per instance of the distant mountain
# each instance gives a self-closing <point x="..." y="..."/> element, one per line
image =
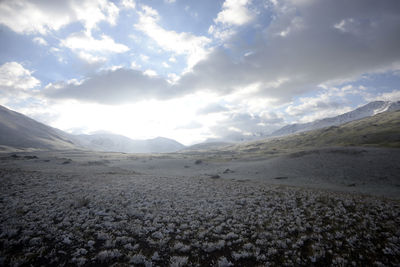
<point x="18" y="131"/>
<point x="367" y="110"/>
<point x="163" y="145"/>
<point x="21" y="132"/>
<point x="207" y="146"/>
<point x="381" y="130"/>
<point x="119" y="143"/>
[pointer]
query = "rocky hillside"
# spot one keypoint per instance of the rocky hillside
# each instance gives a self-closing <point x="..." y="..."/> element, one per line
<point x="18" y="131"/>
<point x="367" y="110"/>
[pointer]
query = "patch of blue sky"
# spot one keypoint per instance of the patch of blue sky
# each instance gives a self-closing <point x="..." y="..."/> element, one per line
<point x="188" y="16"/>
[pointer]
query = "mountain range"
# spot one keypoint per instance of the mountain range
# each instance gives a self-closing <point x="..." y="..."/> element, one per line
<point x="367" y="110"/>
<point x="120" y="143"/>
<point x="18" y="131"/>
<point x="380" y="130"/>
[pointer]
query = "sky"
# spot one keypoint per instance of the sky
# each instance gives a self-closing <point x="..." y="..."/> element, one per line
<point x="195" y="70"/>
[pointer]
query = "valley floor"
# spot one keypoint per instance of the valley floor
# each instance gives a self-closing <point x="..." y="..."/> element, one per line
<point x="328" y="207"/>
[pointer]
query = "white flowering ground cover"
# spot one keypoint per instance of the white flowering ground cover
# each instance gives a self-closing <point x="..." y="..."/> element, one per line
<point x="63" y="216"/>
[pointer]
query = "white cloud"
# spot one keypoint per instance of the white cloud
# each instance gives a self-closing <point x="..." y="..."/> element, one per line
<point x="278" y="69"/>
<point x="40" y="41"/>
<point x="111" y="68"/>
<point x="166" y="65"/>
<point x="296" y="24"/>
<point x="307" y="56"/>
<point x="389" y="96"/>
<point x="17" y="85"/>
<point x="150" y="73"/>
<point x="92" y="12"/>
<point x="92" y="50"/>
<point x="14" y="76"/>
<point x="180" y="43"/>
<point x="169" y="1"/>
<point x="27" y="17"/>
<point x="321" y="114"/>
<point x="135" y="66"/>
<point x="312" y="105"/>
<point x="330" y="102"/>
<point x="235" y="12"/>
<point x="221" y="33"/>
<point x="172" y="59"/>
<point x="172" y="78"/>
<point x="144" y="58"/>
<point x="58" y="53"/>
<point x="84" y="42"/>
<point x="91" y="59"/>
<point x="129" y="4"/>
<point x="296" y="53"/>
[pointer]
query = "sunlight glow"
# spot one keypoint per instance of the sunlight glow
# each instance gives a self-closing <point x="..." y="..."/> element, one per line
<point x="142" y="120"/>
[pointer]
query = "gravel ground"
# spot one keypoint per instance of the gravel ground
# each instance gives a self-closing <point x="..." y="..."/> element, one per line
<point x="64" y="216"/>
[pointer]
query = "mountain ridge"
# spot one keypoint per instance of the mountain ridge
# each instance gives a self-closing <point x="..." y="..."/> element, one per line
<point x="380" y="130"/>
<point x="119" y="143"/>
<point x="364" y="111"/>
<point x="20" y="132"/>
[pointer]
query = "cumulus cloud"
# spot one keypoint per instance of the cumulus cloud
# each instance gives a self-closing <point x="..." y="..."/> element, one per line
<point x="307" y="46"/>
<point x="128" y="4"/>
<point x="331" y="101"/>
<point x="43" y="16"/>
<point x="90" y="49"/>
<point x="85" y="42"/>
<point x="312" y="104"/>
<point x="144" y="58"/>
<point x="90" y="58"/>
<point x="310" y="52"/>
<point x="389" y="96"/>
<point x="150" y="73"/>
<point x="279" y="67"/>
<point x="234" y="13"/>
<point x="14" y="76"/>
<point x="327" y="101"/>
<point x="194" y="47"/>
<point x="16" y="83"/>
<point x="324" y="113"/>
<point x="40" y="41"/>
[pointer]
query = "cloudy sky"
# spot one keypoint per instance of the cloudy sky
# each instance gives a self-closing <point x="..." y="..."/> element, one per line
<point x="195" y="70"/>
